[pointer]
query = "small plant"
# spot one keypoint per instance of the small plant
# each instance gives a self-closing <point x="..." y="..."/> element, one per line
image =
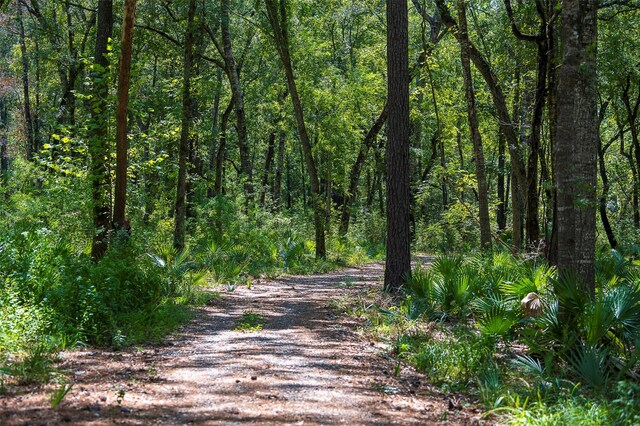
<point x="36" y="367"/>
<point x="250" y="321"/>
<point x="59" y="393"/>
<point x="120" y="395"/>
<point x="347" y="283"/>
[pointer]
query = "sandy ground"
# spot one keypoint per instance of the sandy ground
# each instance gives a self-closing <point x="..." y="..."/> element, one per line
<point x="308" y="365"/>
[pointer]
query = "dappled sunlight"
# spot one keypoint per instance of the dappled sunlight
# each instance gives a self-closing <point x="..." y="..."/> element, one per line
<point x="305" y="365"/>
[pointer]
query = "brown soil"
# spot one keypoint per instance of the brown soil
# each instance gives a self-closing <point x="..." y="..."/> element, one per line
<point x="308" y="365"/>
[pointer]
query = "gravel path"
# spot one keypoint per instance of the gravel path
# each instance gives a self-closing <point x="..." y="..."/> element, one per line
<point x="308" y="365"/>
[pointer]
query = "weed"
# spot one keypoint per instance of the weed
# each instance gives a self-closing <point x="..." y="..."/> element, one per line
<point x="120" y="394"/>
<point x="58" y="395"/>
<point x="250" y="321"/>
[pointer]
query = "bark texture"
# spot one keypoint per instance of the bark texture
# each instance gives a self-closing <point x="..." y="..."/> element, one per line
<point x="122" y="142"/>
<point x="183" y="154"/>
<point x="98" y="137"/>
<point x="231" y="69"/>
<point x="575" y="151"/>
<point x="398" y="261"/>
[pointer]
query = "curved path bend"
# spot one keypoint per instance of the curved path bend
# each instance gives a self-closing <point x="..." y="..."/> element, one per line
<point x="308" y="365"/>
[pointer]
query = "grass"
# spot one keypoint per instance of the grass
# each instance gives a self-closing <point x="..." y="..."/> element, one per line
<point x="250" y="322"/>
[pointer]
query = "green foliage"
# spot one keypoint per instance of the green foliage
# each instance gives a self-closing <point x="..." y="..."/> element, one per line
<point x="58" y="395"/>
<point x="250" y="321"/>
<point x="569" y="365"/>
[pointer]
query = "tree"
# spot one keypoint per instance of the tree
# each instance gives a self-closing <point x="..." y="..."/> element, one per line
<point x="506" y="125"/>
<point x="31" y="144"/>
<point x="277" y="14"/>
<point x="576" y="147"/>
<point x="98" y="142"/>
<point x="231" y="68"/>
<point x="183" y="155"/>
<point x="398" y="262"/>
<point x="354" y="175"/>
<point x="483" y="201"/>
<point x="122" y="142"/>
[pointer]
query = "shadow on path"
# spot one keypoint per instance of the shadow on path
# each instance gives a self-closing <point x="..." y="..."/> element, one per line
<point x="306" y="366"/>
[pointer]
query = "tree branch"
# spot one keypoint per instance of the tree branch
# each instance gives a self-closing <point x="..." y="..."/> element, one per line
<point x="514" y="27"/>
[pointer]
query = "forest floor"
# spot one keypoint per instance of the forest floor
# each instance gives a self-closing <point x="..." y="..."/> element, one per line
<point x="308" y="364"/>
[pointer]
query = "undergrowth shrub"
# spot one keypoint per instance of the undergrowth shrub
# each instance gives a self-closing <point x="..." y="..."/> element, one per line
<point x="52" y="291"/>
<point x="579" y="353"/>
<point x="453" y="362"/>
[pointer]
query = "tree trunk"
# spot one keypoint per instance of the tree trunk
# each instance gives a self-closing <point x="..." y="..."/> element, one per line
<point x="183" y="155"/>
<point x="398" y="261"/>
<point x="222" y="147"/>
<point x="356" y="169"/>
<point x="98" y="134"/>
<point x="532" y="218"/>
<point x="268" y="162"/>
<point x="632" y="109"/>
<point x="542" y="42"/>
<point x="278" y="19"/>
<point x="575" y="152"/>
<point x="552" y="78"/>
<point x="483" y="200"/>
<point x="501" y="208"/>
<point x="505" y="121"/>
<point x="122" y="143"/>
<point x="605" y="183"/>
<point x="4" y="157"/>
<point x="233" y="74"/>
<point x="216" y="136"/>
<point x="37" y="108"/>
<point x="25" y="86"/>
<point x="277" y="181"/>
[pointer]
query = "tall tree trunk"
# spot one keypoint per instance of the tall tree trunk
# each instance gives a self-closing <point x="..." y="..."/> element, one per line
<point x="4" y="156"/>
<point x="277" y="180"/>
<point x="532" y="212"/>
<point x="483" y="200"/>
<point x="505" y="121"/>
<point x="37" y="108"/>
<point x="25" y="86"/>
<point x="183" y="155"/>
<point x="541" y="40"/>
<point x="398" y="261"/>
<point x="552" y="78"/>
<point x="632" y="108"/>
<point x="232" y="71"/>
<point x="268" y="162"/>
<point x="278" y="19"/>
<point x="605" y="183"/>
<point x="216" y="135"/>
<point x="517" y="203"/>
<point x="222" y="147"/>
<point x="635" y="180"/>
<point x="98" y="134"/>
<point x="576" y="147"/>
<point x="356" y="169"/>
<point x="122" y="143"/>
<point x="501" y="208"/>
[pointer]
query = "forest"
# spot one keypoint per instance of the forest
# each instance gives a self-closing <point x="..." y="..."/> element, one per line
<point x="159" y="159"/>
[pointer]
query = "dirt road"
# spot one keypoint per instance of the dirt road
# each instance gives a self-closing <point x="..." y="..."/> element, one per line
<point x="307" y="365"/>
